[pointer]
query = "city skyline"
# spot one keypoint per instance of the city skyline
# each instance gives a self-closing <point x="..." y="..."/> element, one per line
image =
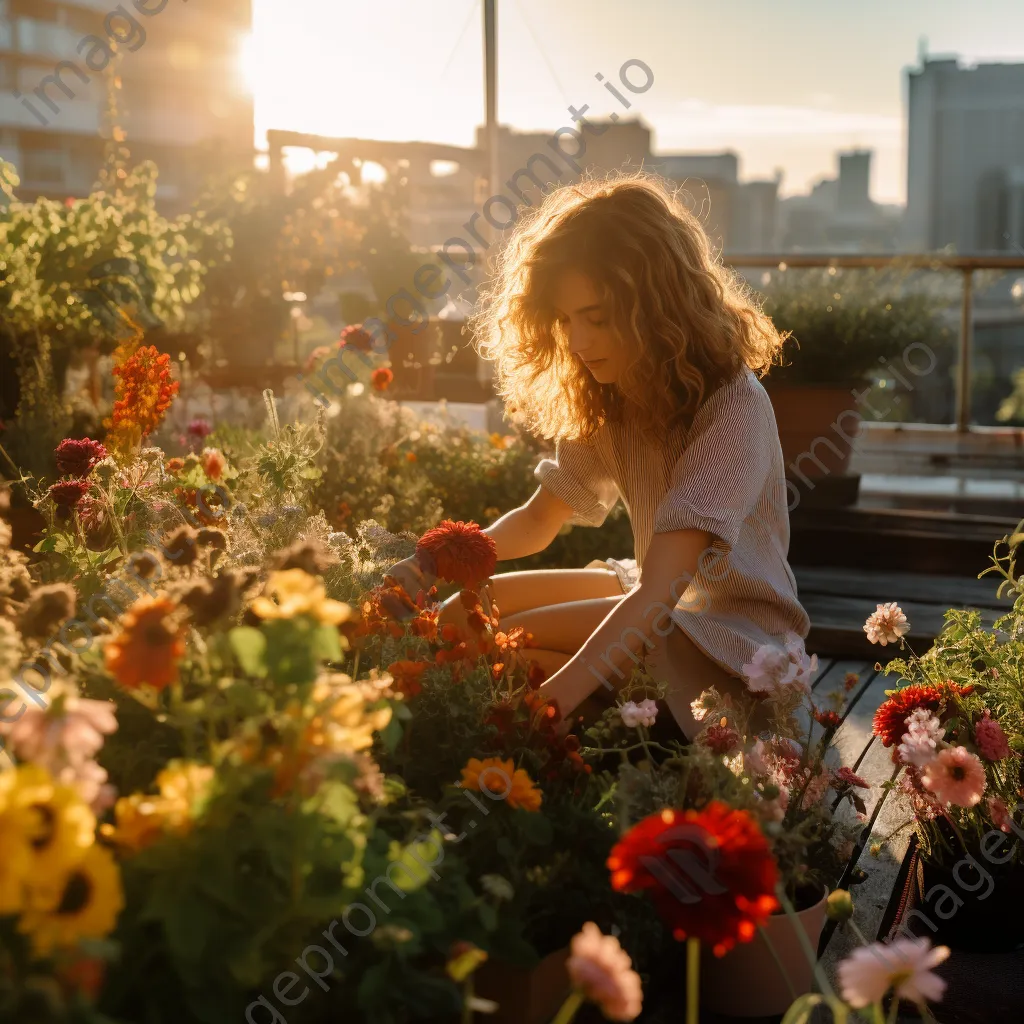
<point x="788" y="92"/>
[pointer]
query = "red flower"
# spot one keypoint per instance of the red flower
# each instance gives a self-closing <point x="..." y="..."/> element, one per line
<point x="355" y="337"/>
<point x="720" y="739"/>
<point x="848" y="777"/>
<point x="67" y="495"/>
<point x="76" y="458"/>
<point x="457" y="552"/>
<point x="380" y="379"/>
<point x="713" y="875"/>
<point x="890" y="721"/>
<point x="828" y="719"/>
<point x="535" y="675"/>
<point x="407" y="676"/>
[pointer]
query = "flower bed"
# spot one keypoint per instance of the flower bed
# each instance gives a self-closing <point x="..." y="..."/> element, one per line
<point x="250" y="777"/>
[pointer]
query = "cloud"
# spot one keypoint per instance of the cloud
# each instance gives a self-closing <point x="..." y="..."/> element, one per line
<point x="701" y="121"/>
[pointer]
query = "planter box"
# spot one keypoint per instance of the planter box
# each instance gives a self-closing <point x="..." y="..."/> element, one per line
<point x="816" y="425"/>
<point x="524" y="996"/>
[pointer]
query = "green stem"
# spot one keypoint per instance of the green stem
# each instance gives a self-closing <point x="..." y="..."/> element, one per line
<point x="569" y="1007"/>
<point x="692" y="981"/>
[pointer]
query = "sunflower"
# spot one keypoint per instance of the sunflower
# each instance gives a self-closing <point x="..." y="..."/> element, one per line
<point x="890" y="722"/>
<point x="149" y="646"/>
<point x="291" y="592"/>
<point x="90" y="900"/>
<point x="457" y="552"/>
<point x="710" y="872"/>
<point x="19" y="826"/>
<point x="502" y="781"/>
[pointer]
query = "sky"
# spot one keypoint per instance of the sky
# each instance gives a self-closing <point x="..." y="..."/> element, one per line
<point x="785" y="83"/>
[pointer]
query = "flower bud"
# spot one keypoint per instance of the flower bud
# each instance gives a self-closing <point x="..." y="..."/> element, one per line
<point x="839" y="905"/>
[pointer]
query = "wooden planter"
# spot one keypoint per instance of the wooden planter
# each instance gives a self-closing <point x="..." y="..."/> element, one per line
<point x="747" y="981"/>
<point x="524" y="996"/>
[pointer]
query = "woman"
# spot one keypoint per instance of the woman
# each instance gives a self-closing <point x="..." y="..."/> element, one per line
<point x="615" y="333"/>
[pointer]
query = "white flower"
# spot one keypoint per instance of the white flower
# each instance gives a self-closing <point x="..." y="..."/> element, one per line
<point x="769" y="669"/>
<point x="634" y="714"/>
<point x="922" y="738"/>
<point x="904" y="965"/>
<point x="701" y="707"/>
<point x="806" y="667"/>
<point x="886" y="624"/>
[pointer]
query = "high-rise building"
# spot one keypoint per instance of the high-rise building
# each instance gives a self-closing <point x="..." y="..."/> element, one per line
<point x="965" y="156"/>
<point x="182" y="100"/>
<point x="854" y="195"/>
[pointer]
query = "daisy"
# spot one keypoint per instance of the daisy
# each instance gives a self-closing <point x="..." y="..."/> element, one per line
<point x="903" y="965"/>
<point x="955" y="776"/>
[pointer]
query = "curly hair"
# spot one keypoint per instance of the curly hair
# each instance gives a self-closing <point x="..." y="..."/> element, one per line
<point x="689" y="322"/>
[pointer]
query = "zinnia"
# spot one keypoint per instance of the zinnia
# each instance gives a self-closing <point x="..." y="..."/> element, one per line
<point x="710" y="872"/>
<point x="354" y="336"/>
<point x="457" y="552"/>
<point x="886" y="624"/>
<point x="76" y="458"/>
<point x="904" y="965"/>
<point x="501" y="780"/>
<point x="380" y="379"/>
<point x="67" y="495"/>
<point x="955" y="776"/>
<point x="601" y="969"/>
<point x="149" y="646"/>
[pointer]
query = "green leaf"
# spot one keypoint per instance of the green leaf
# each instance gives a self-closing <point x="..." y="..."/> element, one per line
<point x="391" y="735"/>
<point x="326" y="644"/>
<point x="46" y="544"/>
<point x="250" y="647"/>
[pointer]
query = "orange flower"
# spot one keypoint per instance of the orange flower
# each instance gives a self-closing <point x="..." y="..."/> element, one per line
<point x="407" y="676"/>
<point x="410" y="456"/>
<point x="214" y="463"/>
<point x="503" y="781"/>
<point x="175" y="465"/>
<point x="381" y="378"/>
<point x="144" y="393"/>
<point x="457" y="552"/>
<point x="151" y="643"/>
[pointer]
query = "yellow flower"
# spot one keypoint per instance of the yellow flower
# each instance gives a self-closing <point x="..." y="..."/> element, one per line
<point x="90" y="900"/>
<point x="503" y="781"/>
<point x="183" y="783"/>
<point x="465" y="958"/>
<point x="55" y="825"/>
<point x="343" y="723"/>
<point x="291" y="592"/>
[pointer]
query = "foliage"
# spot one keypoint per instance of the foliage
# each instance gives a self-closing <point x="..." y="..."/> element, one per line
<point x="845" y="323"/>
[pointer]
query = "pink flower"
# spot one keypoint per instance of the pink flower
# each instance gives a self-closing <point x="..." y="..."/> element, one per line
<point x="848" y="777"/>
<point x="69" y="731"/>
<point x="773" y="668"/>
<point x="999" y="813"/>
<point x="634" y="714"/>
<point x="924" y="805"/>
<point x="904" y="965"/>
<point x="601" y="969"/>
<point x="886" y="624"/>
<point x="955" y="776"/>
<point x="922" y="738"/>
<point x="991" y="740"/>
<point x="76" y="458"/>
<point x="199" y="428"/>
<point x="90" y="779"/>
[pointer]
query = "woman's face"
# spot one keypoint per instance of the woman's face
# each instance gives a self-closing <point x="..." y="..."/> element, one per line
<point x="586" y="321"/>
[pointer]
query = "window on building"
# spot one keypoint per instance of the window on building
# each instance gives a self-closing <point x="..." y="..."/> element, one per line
<point x="44" y="167"/>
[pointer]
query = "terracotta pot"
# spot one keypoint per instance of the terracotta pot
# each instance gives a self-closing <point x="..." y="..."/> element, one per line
<point x="747" y="981"/>
<point x="524" y="996"/>
<point x="816" y="442"/>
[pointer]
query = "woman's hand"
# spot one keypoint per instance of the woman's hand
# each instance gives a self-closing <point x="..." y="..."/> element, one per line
<point x="409" y="573"/>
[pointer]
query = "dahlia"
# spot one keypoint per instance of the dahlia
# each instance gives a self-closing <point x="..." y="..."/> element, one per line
<point x="144" y="392"/>
<point x="903" y="965"/>
<point x="67" y="495"/>
<point x="76" y="458"/>
<point x="457" y="552"/>
<point x="149" y="646"/>
<point x="886" y="624"/>
<point x="955" y="776"/>
<point x="990" y="739"/>
<point x="380" y="379"/>
<point x="603" y="972"/>
<point x="713" y="874"/>
<point x="890" y="722"/>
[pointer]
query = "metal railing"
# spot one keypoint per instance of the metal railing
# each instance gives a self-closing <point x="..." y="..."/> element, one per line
<point x="966" y="265"/>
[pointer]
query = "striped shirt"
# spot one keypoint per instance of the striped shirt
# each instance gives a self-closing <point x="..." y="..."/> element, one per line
<point x="725" y="475"/>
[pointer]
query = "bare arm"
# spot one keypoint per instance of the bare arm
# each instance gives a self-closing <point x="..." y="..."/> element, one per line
<point x="671" y="563"/>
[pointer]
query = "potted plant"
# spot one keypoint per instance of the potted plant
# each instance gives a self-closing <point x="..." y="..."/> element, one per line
<point x="843" y="328"/>
<point x="783" y="788"/>
<point x="955" y="725"/>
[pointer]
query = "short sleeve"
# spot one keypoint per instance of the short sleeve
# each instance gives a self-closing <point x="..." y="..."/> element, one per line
<point x="578" y="476"/>
<point x="731" y="452"/>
